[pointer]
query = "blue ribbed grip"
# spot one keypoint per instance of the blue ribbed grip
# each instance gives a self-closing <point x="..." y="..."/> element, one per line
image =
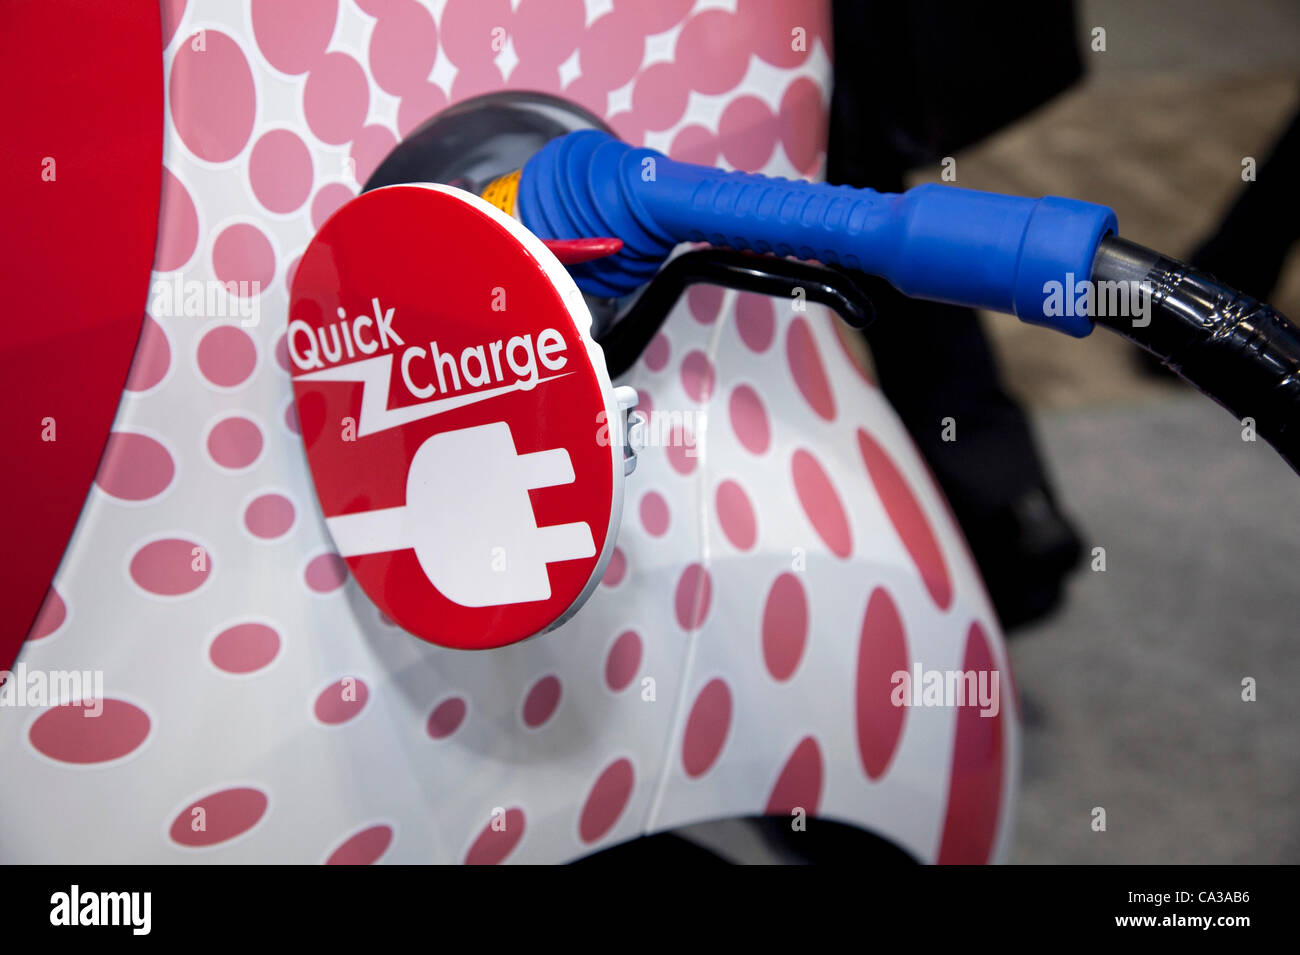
<point x="936" y="242"/>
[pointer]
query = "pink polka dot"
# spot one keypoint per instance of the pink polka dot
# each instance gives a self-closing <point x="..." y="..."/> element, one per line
<point x="659" y="96"/>
<point x="235" y="443"/>
<point x="282" y="352"/>
<point x="807" y="369"/>
<point x="421" y="103"/>
<point x="654" y="513"/>
<point x="705" y="302"/>
<point x="785" y="626"/>
<point x="289" y="273"/>
<point x="242" y="253"/>
<point x="329" y="199"/>
<point x="777" y="41"/>
<point x="291" y="417"/>
<point x="370" y="148"/>
<point x="697" y="376"/>
<point x="341" y="701"/>
<point x="244" y="648"/>
<point x="706" y="728"/>
<point x="269" y="516"/>
<point x="628" y="127"/>
<point x="542" y="701"/>
<point x="975" y="791"/>
<point x="736" y="515"/>
<point x="336" y="98"/>
<point x="747" y="132"/>
<point x="749" y="419"/>
<point x="212" y="96"/>
<point x="497" y="839"/>
<point x="226" y="356"/>
<point x="755" y="321"/>
<point x="403" y="46"/>
<point x="467" y="27"/>
<point x="173" y="11"/>
<point x="280" y="171"/>
<point x="651" y="18"/>
<point x="50" y="617"/>
<point x="713" y="51"/>
<point x="645" y="403"/>
<point x="293" y="34"/>
<point x="821" y="504"/>
<point x="546" y="32"/>
<point x="134" y="467"/>
<point x="535" y="76"/>
<point x="802" y="123"/>
<point x="695" y="144"/>
<point x="657" y="352"/>
<point x="608" y="798"/>
<point x="682" y="451"/>
<point x="364" y="848"/>
<point x="446" y="717"/>
<point x="325" y="573"/>
<point x="693" y="596"/>
<point x="153" y="356"/>
<point x="882" y="652"/>
<point x="623" y="661"/>
<point x="799" y="786"/>
<point x="908" y="519"/>
<point x="474" y="80"/>
<point x="170" y="567"/>
<point x="65" y="733"/>
<point x="616" y="570"/>
<point x="219" y="817"/>
<point x="178" y="225"/>
<point x="610" y="54"/>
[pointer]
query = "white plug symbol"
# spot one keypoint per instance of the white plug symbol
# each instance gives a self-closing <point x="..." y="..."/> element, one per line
<point x="470" y="521"/>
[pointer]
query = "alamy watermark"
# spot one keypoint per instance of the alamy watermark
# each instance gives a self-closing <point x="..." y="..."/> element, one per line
<point x="41" y="688"/>
<point x="922" y="687"/>
<point x="1086" y="298"/>
<point x="179" y="297"/>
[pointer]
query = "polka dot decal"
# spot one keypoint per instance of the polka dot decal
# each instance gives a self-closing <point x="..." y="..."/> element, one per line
<point x="135" y="467"/>
<point x="212" y="96"/>
<point x="226" y="356"/>
<point x="807" y="369"/>
<point x="706" y="728"/>
<point x="72" y="734"/>
<point x="821" y="504"/>
<point x="171" y="567"/>
<point x="908" y="519"/>
<point x="364" y="848"/>
<point x="882" y="652"/>
<point x="542" y="701"/>
<point x="446" y="717"/>
<point x="736" y="515"/>
<point x="235" y="443"/>
<point x="606" y="801"/>
<point x="785" y="626"/>
<point x="244" y="648"/>
<point x="51" y="616"/>
<point x="623" y="661"/>
<point x="498" y="839"/>
<point x="975" y="792"/>
<point x="341" y="701"/>
<point x="219" y="817"/>
<point x="694" y="593"/>
<point x="799" y="786"/>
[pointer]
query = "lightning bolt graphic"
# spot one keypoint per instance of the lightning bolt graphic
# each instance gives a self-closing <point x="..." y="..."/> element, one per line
<point x="375" y="374"/>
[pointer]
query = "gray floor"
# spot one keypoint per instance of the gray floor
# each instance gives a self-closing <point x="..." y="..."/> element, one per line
<point x="1133" y="694"/>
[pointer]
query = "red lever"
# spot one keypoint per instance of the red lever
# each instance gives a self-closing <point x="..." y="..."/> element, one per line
<point x="574" y="251"/>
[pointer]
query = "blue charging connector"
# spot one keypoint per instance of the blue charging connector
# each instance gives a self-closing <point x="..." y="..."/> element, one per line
<point x="979" y="249"/>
